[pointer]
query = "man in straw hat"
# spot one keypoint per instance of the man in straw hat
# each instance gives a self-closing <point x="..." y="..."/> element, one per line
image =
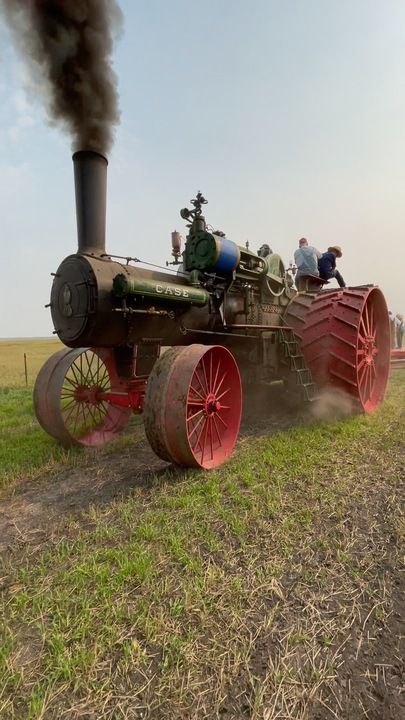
<point x="327" y="265"/>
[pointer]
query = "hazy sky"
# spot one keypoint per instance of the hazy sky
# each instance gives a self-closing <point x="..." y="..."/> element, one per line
<point x="289" y="115"/>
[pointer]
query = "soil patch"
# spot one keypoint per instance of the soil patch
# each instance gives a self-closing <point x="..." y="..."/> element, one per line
<point x="37" y="507"/>
<point x="36" y="511"/>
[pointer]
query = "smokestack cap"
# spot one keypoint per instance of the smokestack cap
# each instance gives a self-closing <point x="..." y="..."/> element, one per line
<point x="89" y="153"/>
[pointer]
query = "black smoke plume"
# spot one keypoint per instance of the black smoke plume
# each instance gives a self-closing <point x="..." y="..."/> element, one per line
<point x="68" y="45"/>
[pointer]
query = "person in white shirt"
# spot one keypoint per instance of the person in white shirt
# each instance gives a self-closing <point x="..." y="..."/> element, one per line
<point x="392" y="328"/>
<point x="399" y="329"/>
<point x="306" y="259"/>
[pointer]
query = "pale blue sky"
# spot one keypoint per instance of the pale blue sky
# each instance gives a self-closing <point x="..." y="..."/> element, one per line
<point x="289" y="115"/>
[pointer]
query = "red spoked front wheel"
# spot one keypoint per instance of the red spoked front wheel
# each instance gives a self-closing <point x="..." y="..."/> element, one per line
<point x="193" y="406"/>
<point x="71" y="397"/>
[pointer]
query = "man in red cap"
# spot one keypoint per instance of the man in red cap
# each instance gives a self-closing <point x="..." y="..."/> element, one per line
<point x="327" y="265"/>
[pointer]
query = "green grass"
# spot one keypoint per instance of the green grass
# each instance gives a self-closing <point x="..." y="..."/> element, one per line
<point x="165" y="591"/>
<point x="24" y="447"/>
<point x="26" y="451"/>
<point x="12" y="367"/>
<point x="159" y="600"/>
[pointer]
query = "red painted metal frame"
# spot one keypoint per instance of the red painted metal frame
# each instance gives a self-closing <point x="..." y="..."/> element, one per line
<point x="398" y="358"/>
<point x="132" y="397"/>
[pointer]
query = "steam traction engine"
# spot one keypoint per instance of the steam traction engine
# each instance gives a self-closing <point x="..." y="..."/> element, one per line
<point x="230" y="317"/>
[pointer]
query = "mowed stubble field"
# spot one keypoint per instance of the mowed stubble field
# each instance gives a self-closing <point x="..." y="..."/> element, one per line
<point x="270" y="588"/>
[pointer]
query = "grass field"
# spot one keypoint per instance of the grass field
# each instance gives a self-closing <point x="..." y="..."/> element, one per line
<point x="23" y="446"/>
<point x="12" y="370"/>
<point x="270" y="588"/>
<point x="25" y="450"/>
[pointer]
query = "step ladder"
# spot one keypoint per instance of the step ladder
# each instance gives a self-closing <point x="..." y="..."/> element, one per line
<point x="296" y="363"/>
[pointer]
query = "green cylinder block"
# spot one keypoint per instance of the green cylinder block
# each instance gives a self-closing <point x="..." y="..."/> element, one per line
<point x="201" y="251"/>
<point x="123" y="286"/>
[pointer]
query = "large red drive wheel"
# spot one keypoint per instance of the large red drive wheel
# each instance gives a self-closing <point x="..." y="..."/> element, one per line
<point x="345" y="338"/>
<point x="67" y="398"/>
<point x="193" y="406"/>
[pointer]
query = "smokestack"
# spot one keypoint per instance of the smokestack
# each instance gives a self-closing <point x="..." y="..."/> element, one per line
<point x="90" y="171"/>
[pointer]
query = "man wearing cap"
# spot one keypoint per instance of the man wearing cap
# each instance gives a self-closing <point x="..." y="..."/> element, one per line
<point x="264" y="251"/>
<point x="327" y="265"/>
<point x="306" y="259"/>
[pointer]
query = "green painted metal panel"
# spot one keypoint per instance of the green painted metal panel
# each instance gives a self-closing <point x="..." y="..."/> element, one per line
<point x="166" y="291"/>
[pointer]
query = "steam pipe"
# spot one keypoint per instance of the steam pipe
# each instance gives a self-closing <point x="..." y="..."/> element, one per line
<point x="90" y="173"/>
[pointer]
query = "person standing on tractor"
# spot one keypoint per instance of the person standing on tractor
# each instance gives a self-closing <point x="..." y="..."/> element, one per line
<point x="399" y="329"/>
<point x="306" y="259"/>
<point x="327" y="265"/>
<point x="392" y="329"/>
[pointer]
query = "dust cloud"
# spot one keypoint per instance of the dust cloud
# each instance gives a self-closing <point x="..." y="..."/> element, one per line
<point x="332" y="404"/>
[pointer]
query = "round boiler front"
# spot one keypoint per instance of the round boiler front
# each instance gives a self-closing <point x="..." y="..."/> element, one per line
<point x="82" y="305"/>
<point x="73" y="298"/>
